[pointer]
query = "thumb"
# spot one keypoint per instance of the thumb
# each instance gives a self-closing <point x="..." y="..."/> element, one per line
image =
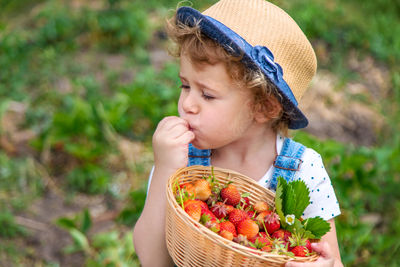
<point x="322" y="248"/>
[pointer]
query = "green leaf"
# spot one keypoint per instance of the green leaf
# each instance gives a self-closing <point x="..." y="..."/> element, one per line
<point x="279" y="196"/>
<point x="66" y="223"/>
<point x="301" y="197"/>
<point x="86" y="221"/>
<point x="289" y="202"/>
<point x="80" y="240"/>
<point x="317" y="226"/>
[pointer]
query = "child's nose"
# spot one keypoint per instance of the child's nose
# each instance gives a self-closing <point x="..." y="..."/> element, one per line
<point x="189" y="103"/>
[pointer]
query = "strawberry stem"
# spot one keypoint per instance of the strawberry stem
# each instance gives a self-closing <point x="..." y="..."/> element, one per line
<point x="265" y="229"/>
<point x="180" y="194"/>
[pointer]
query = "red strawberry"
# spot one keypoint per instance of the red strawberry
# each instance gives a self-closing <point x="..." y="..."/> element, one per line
<point x="202" y="189"/>
<point x="230" y="195"/>
<point x="229" y="208"/>
<point x="213" y="225"/>
<point x="248" y="228"/>
<point x="204" y="207"/>
<point x="261" y="240"/>
<point x="245" y="202"/>
<point x="308" y="245"/>
<point x="237" y="216"/>
<point x="251" y="214"/>
<point x="267" y="248"/>
<point x="219" y="209"/>
<point x="228" y="226"/>
<point x="207" y="216"/>
<point x="299" y="251"/>
<point x="261" y="206"/>
<point x="272" y="222"/>
<point x="261" y="217"/>
<point x="282" y="234"/>
<point x="193" y="209"/>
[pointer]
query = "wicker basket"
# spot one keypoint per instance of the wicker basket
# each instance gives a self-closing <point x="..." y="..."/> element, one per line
<point x="192" y="244"/>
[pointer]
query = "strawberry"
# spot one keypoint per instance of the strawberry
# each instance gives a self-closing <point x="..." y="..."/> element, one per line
<point x="299" y="251"/>
<point x="207" y="216"/>
<point x="300" y="245"/>
<point x="261" y="240"/>
<point x="193" y="209"/>
<point x="267" y="248"/>
<point x="260" y="206"/>
<point x="228" y="226"/>
<point x="248" y="228"/>
<point x="204" y="207"/>
<point x="189" y="188"/>
<point x="281" y="234"/>
<point x="261" y="217"/>
<point x="219" y="209"/>
<point x="202" y="189"/>
<point x="242" y="240"/>
<point x="308" y="245"/>
<point x="272" y="223"/>
<point x="230" y="195"/>
<point x="213" y="225"/>
<point x="229" y="208"/>
<point x="244" y="202"/>
<point x="226" y="234"/>
<point x="251" y="214"/>
<point x="237" y="216"/>
<point x="214" y="198"/>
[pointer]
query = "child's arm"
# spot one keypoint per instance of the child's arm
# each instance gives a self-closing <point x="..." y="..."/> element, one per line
<point x="170" y="146"/>
<point x="328" y="248"/>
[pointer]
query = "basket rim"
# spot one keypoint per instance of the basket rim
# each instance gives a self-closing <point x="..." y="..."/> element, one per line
<point x="214" y="237"/>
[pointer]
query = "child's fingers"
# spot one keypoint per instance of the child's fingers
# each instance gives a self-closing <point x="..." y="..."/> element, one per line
<point x="178" y="130"/>
<point x="322" y="248"/>
<point x="186" y="138"/>
<point x="169" y="122"/>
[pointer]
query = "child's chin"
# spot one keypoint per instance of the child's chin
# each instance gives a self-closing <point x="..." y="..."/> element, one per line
<point x="199" y="145"/>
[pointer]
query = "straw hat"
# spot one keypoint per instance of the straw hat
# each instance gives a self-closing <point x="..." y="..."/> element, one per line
<point x="268" y="38"/>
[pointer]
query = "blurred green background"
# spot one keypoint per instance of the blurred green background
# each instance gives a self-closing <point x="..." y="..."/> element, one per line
<point x="84" y="83"/>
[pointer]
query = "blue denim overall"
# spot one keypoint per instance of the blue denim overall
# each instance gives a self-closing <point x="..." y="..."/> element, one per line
<point x="286" y="163"/>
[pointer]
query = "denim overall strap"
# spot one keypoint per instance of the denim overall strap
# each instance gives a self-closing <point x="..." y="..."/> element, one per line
<point x="199" y="156"/>
<point x="287" y="162"/>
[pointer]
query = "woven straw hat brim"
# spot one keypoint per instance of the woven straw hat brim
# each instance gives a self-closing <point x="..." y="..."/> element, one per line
<point x="254" y="57"/>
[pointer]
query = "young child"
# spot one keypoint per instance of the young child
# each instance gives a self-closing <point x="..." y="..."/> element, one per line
<point x="244" y="65"/>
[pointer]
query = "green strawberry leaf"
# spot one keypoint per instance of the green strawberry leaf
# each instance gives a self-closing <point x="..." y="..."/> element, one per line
<point x="301" y="198"/>
<point x="317" y="226"/>
<point x="245" y="194"/>
<point x="289" y="203"/>
<point x="279" y="196"/>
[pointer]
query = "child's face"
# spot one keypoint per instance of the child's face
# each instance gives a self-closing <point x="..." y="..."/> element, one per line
<point x="218" y="111"/>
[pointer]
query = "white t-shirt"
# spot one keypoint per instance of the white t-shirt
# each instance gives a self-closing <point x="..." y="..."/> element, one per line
<point x="323" y="200"/>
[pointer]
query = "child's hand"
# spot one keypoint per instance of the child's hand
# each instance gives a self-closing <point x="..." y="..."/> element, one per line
<point x="326" y="258"/>
<point x="170" y="143"/>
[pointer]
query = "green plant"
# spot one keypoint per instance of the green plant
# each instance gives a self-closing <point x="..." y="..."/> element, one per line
<point x="8" y="227"/>
<point x="131" y="213"/>
<point x="104" y="249"/>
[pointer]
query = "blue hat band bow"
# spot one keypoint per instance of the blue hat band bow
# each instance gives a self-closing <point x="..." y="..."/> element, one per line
<point x="264" y="57"/>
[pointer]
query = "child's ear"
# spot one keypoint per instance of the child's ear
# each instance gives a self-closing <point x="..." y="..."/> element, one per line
<point x="268" y="110"/>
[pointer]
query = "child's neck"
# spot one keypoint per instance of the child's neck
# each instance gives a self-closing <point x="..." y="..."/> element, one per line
<point x="251" y="156"/>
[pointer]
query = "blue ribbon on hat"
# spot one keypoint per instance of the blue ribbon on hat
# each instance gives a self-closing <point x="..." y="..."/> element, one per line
<point x="264" y="57"/>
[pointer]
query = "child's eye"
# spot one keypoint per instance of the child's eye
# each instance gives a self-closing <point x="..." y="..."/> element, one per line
<point x="184" y="86"/>
<point x="207" y="97"/>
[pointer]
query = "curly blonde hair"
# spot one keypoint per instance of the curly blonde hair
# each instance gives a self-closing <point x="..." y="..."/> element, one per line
<point x="204" y="50"/>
